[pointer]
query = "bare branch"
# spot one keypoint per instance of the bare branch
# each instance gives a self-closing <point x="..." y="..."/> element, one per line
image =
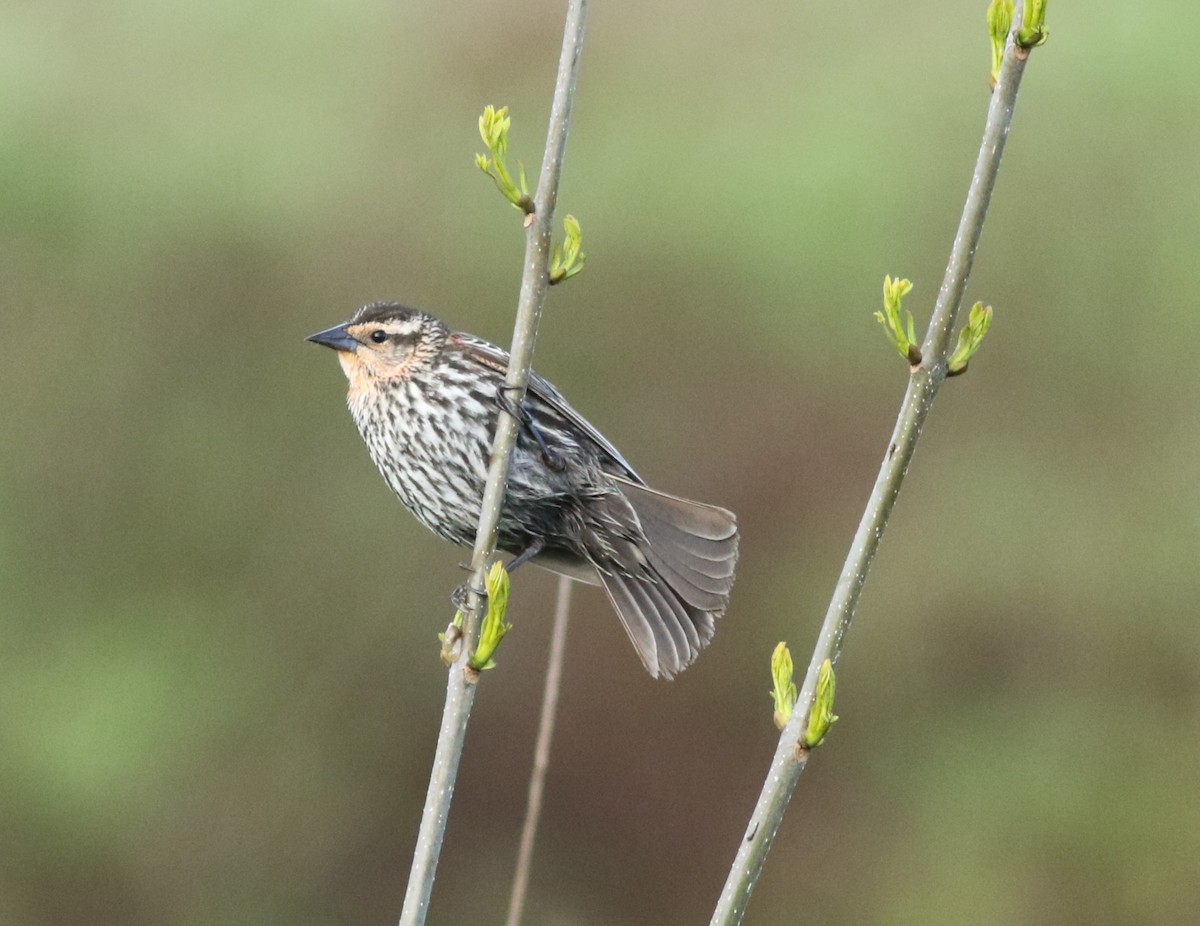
<point x="460" y="688"/>
<point x="541" y="751"/>
<point x="791" y="755"/>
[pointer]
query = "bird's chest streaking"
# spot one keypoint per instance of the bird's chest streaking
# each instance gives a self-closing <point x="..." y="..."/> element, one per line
<point x="431" y="434"/>
<point x="427" y="435"/>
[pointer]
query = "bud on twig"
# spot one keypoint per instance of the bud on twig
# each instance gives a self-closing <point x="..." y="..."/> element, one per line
<point x="822" y="717"/>
<point x="784" y="689"/>
<point x="568" y="258"/>
<point x="969" y="339"/>
<point x="494" y="627"/>
<point x="493" y="129"/>
<point x="899" y="330"/>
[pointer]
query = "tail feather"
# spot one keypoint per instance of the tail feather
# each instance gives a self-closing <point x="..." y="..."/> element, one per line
<point x="699" y="541"/>
<point x="708" y="557"/>
<point x="685" y="619"/>
<point x="666" y="633"/>
<point x="703" y="522"/>
<point x="714" y="576"/>
<point x="667" y="565"/>
<point x="697" y="590"/>
<point x="672" y="582"/>
<point x="650" y="634"/>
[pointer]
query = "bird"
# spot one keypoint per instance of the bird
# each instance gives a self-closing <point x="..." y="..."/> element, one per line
<point x="426" y="401"/>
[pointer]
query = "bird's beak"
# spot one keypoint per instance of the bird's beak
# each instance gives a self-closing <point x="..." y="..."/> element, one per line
<point x="335" y="337"/>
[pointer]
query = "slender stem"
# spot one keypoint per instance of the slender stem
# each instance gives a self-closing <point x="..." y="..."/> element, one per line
<point x="460" y="687"/>
<point x="460" y="694"/>
<point x="790" y="755"/>
<point x="541" y="751"/>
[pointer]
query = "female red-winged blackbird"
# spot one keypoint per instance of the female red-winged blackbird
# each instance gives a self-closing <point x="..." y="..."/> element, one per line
<point x="425" y="400"/>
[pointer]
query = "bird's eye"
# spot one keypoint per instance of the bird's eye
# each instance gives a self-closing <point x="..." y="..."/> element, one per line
<point x="379" y="336"/>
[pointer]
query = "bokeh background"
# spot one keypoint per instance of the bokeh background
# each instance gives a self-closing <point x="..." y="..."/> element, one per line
<point x="219" y="684"/>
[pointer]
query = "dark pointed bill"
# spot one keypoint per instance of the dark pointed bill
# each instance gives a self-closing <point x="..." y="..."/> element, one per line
<point x="335" y="337"/>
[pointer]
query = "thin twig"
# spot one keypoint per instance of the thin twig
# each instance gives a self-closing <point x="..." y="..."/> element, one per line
<point x="791" y="756"/>
<point x="541" y="751"/>
<point x="460" y="687"/>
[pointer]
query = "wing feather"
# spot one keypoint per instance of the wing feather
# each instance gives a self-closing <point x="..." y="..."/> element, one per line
<point x="491" y="355"/>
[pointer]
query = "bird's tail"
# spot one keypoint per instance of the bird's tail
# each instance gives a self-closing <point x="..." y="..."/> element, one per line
<point x="675" y="583"/>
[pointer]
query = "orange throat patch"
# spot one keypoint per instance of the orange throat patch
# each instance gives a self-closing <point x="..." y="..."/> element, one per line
<point x="361" y="380"/>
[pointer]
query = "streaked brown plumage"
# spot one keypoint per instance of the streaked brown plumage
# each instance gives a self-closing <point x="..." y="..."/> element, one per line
<point x="425" y="400"/>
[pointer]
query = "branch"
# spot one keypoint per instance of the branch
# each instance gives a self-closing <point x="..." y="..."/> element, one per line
<point x="460" y="687"/>
<point x="791" y="755"/>
<point x="541" y="751"/>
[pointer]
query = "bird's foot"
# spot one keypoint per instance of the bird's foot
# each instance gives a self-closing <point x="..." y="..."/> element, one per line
<point x="460" y="598"/>
<point x="519" y="412"/>
<point x="524" y="556"/>
<point x="510" y="405"/>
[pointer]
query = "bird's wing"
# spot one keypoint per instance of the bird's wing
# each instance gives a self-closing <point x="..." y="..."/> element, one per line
<point x="491" y="355"/>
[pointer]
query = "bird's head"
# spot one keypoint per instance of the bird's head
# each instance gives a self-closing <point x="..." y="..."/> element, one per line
<point x="384" y="342"/>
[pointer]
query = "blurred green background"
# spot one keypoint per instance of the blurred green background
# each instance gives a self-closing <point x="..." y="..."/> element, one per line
<point x="219" y="685"/>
